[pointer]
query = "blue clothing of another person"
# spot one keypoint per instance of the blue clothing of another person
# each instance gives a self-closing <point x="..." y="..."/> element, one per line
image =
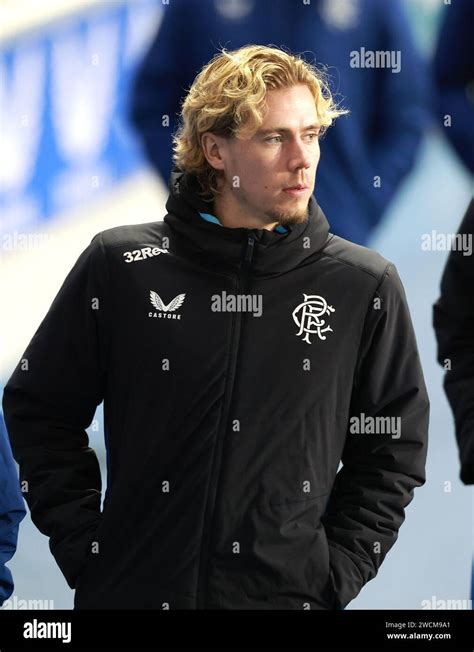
<point x="12" y="511"/>
<point x="453" y="69"/>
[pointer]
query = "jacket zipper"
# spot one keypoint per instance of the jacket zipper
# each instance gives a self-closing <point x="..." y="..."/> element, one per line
<point x="217" y="457"/>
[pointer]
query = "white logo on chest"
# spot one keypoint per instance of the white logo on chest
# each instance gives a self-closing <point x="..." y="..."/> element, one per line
<point x="307" y="316"/>
<point x="165" y="311"/>
<point x="143" y="253"/>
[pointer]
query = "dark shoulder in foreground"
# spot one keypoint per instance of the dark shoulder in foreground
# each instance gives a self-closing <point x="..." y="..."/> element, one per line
<point x="357" y="257"/>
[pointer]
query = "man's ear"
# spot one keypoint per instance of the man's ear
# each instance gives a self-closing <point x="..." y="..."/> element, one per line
<point x="212" y="147"/>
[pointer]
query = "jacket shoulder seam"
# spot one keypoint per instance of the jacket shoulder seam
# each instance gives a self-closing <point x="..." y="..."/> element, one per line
<point x="361" y="268"/>
<point x="116" y="245"/>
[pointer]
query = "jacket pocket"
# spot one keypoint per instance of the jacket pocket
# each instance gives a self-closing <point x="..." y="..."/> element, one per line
<point x="279" y="499"/>
<point x="291" y="547"/>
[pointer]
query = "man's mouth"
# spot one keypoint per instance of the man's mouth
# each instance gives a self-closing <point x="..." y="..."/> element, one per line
<point x="296" y="191"/>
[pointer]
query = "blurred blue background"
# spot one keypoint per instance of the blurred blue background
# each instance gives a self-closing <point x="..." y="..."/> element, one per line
<point x="73" y="164"/>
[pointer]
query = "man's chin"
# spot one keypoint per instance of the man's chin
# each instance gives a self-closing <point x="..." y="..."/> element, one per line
<point x="289" y="218"/>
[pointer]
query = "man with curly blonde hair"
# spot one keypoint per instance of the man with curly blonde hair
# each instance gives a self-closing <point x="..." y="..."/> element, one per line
<point x="265" y="409"/>
<point x="251" y="126"/>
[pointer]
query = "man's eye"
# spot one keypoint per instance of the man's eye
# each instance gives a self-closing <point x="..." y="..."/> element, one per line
<point x="313" y="136"/>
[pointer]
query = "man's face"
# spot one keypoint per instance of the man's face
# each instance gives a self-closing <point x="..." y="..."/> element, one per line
<point x="283" y="153"/>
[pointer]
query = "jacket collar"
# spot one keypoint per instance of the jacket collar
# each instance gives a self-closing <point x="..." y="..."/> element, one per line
<point x="212" y="218"/>
<point x="223" y="248"/>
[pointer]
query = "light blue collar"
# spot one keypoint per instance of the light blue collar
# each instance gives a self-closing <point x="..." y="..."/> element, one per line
<point x="212" y="218"/>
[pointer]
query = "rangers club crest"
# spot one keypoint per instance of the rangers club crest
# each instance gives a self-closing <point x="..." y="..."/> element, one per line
<point x="308" y="316"/>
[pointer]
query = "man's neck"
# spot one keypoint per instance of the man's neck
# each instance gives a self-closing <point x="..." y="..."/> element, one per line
<point x="233" y="216"/>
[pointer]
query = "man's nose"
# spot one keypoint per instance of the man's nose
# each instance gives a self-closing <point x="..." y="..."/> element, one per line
<point x="299" y="156"/>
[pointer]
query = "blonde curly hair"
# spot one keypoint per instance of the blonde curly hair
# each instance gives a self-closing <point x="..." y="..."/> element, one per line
<point x="227" y="98"/>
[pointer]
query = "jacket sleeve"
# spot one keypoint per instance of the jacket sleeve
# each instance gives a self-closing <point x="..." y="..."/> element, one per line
<point x="12" y="512"/>
<point x="453" y="321"/>
<point x="380" y="471"/>
<point x="49" y="401"/>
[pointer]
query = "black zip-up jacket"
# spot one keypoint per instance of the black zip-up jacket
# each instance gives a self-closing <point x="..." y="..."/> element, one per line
<point x="224" y="428"/>
<point x="453" y="322"/>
